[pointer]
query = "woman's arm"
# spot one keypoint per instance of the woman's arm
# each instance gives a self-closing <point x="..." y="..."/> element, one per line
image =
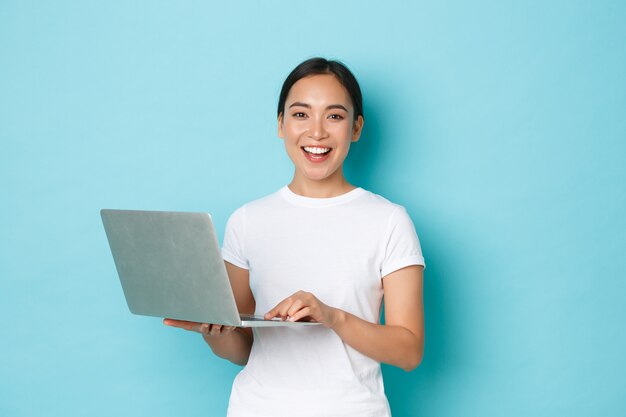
<point x="399" y="342"/>
<point x="232" y="343"/>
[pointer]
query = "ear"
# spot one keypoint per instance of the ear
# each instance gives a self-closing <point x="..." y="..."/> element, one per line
<point x="357" y="129"/>
<point x="281" y="134"/>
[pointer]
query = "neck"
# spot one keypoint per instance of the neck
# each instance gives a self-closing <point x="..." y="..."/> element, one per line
<point x="324" y="188"/>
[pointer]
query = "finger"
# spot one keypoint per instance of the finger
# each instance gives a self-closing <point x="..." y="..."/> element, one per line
<point x="204" y="328"/>
<point x="219" y="330"/>
<point x="215" y="330"/>
<point x="282" y="308"/>
<point x="305" y="312"/>
<point x="279" y="310"/>
<point x="175" y="323"/>
<point x="293" y="309"/>
<point x="283" y="311"/>
<point x="182" y="324"/>
<point x="270" y="314"/>
<point x="226" y="330"/>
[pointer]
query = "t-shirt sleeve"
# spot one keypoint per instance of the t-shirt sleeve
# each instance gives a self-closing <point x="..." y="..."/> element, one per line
<point x="233" y="249"/>
<point x="402" y="245"/>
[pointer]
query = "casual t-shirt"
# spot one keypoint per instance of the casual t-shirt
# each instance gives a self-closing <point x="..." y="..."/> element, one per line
<point x="339" y="249"/>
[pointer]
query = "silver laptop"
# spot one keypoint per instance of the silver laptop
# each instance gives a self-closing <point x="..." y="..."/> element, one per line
<point x="170" y="265"/>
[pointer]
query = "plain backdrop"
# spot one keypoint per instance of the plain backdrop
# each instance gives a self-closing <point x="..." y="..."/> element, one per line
<point x="499" y="125"/>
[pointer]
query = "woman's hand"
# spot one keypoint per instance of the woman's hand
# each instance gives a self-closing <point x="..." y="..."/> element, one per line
<point x="304" y="305"/>
<point x="205" y="329"/>
<point x="228" y="342"/>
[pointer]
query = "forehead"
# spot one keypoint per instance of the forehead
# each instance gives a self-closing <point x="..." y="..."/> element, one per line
<point x="319" y="89"/>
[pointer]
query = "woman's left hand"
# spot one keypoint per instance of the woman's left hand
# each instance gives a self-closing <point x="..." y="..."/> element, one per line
<point x="304" y="305"/>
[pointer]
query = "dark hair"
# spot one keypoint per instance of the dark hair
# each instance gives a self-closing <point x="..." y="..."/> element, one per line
<point x="316" y="66"/>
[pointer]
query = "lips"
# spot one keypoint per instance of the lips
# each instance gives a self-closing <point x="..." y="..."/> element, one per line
<point x="316" y="153"/>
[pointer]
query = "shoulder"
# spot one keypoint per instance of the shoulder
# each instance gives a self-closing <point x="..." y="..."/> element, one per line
<point x="268" y="201"/>
<point x="248" y="214"/>
<point x="390" y="218"/>
<point x="258" y="206"/>
<point x="380" y="205"/>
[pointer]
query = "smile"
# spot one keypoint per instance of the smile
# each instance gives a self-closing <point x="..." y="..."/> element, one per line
<point x="316" y="153"/>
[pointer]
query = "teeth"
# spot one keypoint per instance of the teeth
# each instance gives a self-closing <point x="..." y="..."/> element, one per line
<point x="316" y="150"/>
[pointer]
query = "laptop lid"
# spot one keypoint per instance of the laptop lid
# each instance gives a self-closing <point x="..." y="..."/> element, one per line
<point x="170" y="265"/>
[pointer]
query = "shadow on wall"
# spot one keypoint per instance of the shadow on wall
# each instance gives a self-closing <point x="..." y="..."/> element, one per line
<point x="363" y="166"/>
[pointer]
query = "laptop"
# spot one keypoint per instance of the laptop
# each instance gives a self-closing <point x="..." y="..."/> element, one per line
<point x="170" y="265"/>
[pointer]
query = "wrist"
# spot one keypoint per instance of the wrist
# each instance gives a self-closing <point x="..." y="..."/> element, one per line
<point x="339" y="318"/>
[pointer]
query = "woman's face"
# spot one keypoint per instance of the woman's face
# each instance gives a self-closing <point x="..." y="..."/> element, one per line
<point x="317" y="126"/>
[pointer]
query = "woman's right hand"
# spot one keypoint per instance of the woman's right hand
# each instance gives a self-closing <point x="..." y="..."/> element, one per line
<point x="205" y="329"/>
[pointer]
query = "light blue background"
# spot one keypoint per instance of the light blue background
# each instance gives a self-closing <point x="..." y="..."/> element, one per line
<point x="499" y="125"/>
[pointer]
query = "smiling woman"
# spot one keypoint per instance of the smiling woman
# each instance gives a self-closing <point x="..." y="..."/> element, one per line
<point x="323" y="250"/>
<point x="318" y="125"/>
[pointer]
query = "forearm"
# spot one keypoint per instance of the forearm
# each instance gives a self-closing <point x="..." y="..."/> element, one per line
<point x="234" y="346"/>
<point x="393" y="345"/>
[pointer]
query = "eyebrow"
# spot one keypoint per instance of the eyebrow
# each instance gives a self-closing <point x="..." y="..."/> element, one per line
<point x="329" y="107"/>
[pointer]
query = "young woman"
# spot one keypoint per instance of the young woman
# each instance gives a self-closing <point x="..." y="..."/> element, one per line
<point x="324" y="250"/>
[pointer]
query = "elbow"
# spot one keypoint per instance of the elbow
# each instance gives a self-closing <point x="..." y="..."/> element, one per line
<point x="412" y="362"/>
<point x="239" y="361"/>
<point x="413" y="358"/>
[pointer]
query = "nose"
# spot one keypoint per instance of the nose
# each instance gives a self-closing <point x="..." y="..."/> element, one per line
<point x="317" y="130"/>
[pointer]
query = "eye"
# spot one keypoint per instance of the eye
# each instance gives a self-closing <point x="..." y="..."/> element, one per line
<point x="299" y="115"/>
<point x="336" y="117"/>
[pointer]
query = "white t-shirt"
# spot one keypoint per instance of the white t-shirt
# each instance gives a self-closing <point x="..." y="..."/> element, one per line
<point x="339" y="249"/>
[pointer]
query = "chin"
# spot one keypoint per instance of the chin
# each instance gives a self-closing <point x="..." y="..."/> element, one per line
<point x="318" y="176"/>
